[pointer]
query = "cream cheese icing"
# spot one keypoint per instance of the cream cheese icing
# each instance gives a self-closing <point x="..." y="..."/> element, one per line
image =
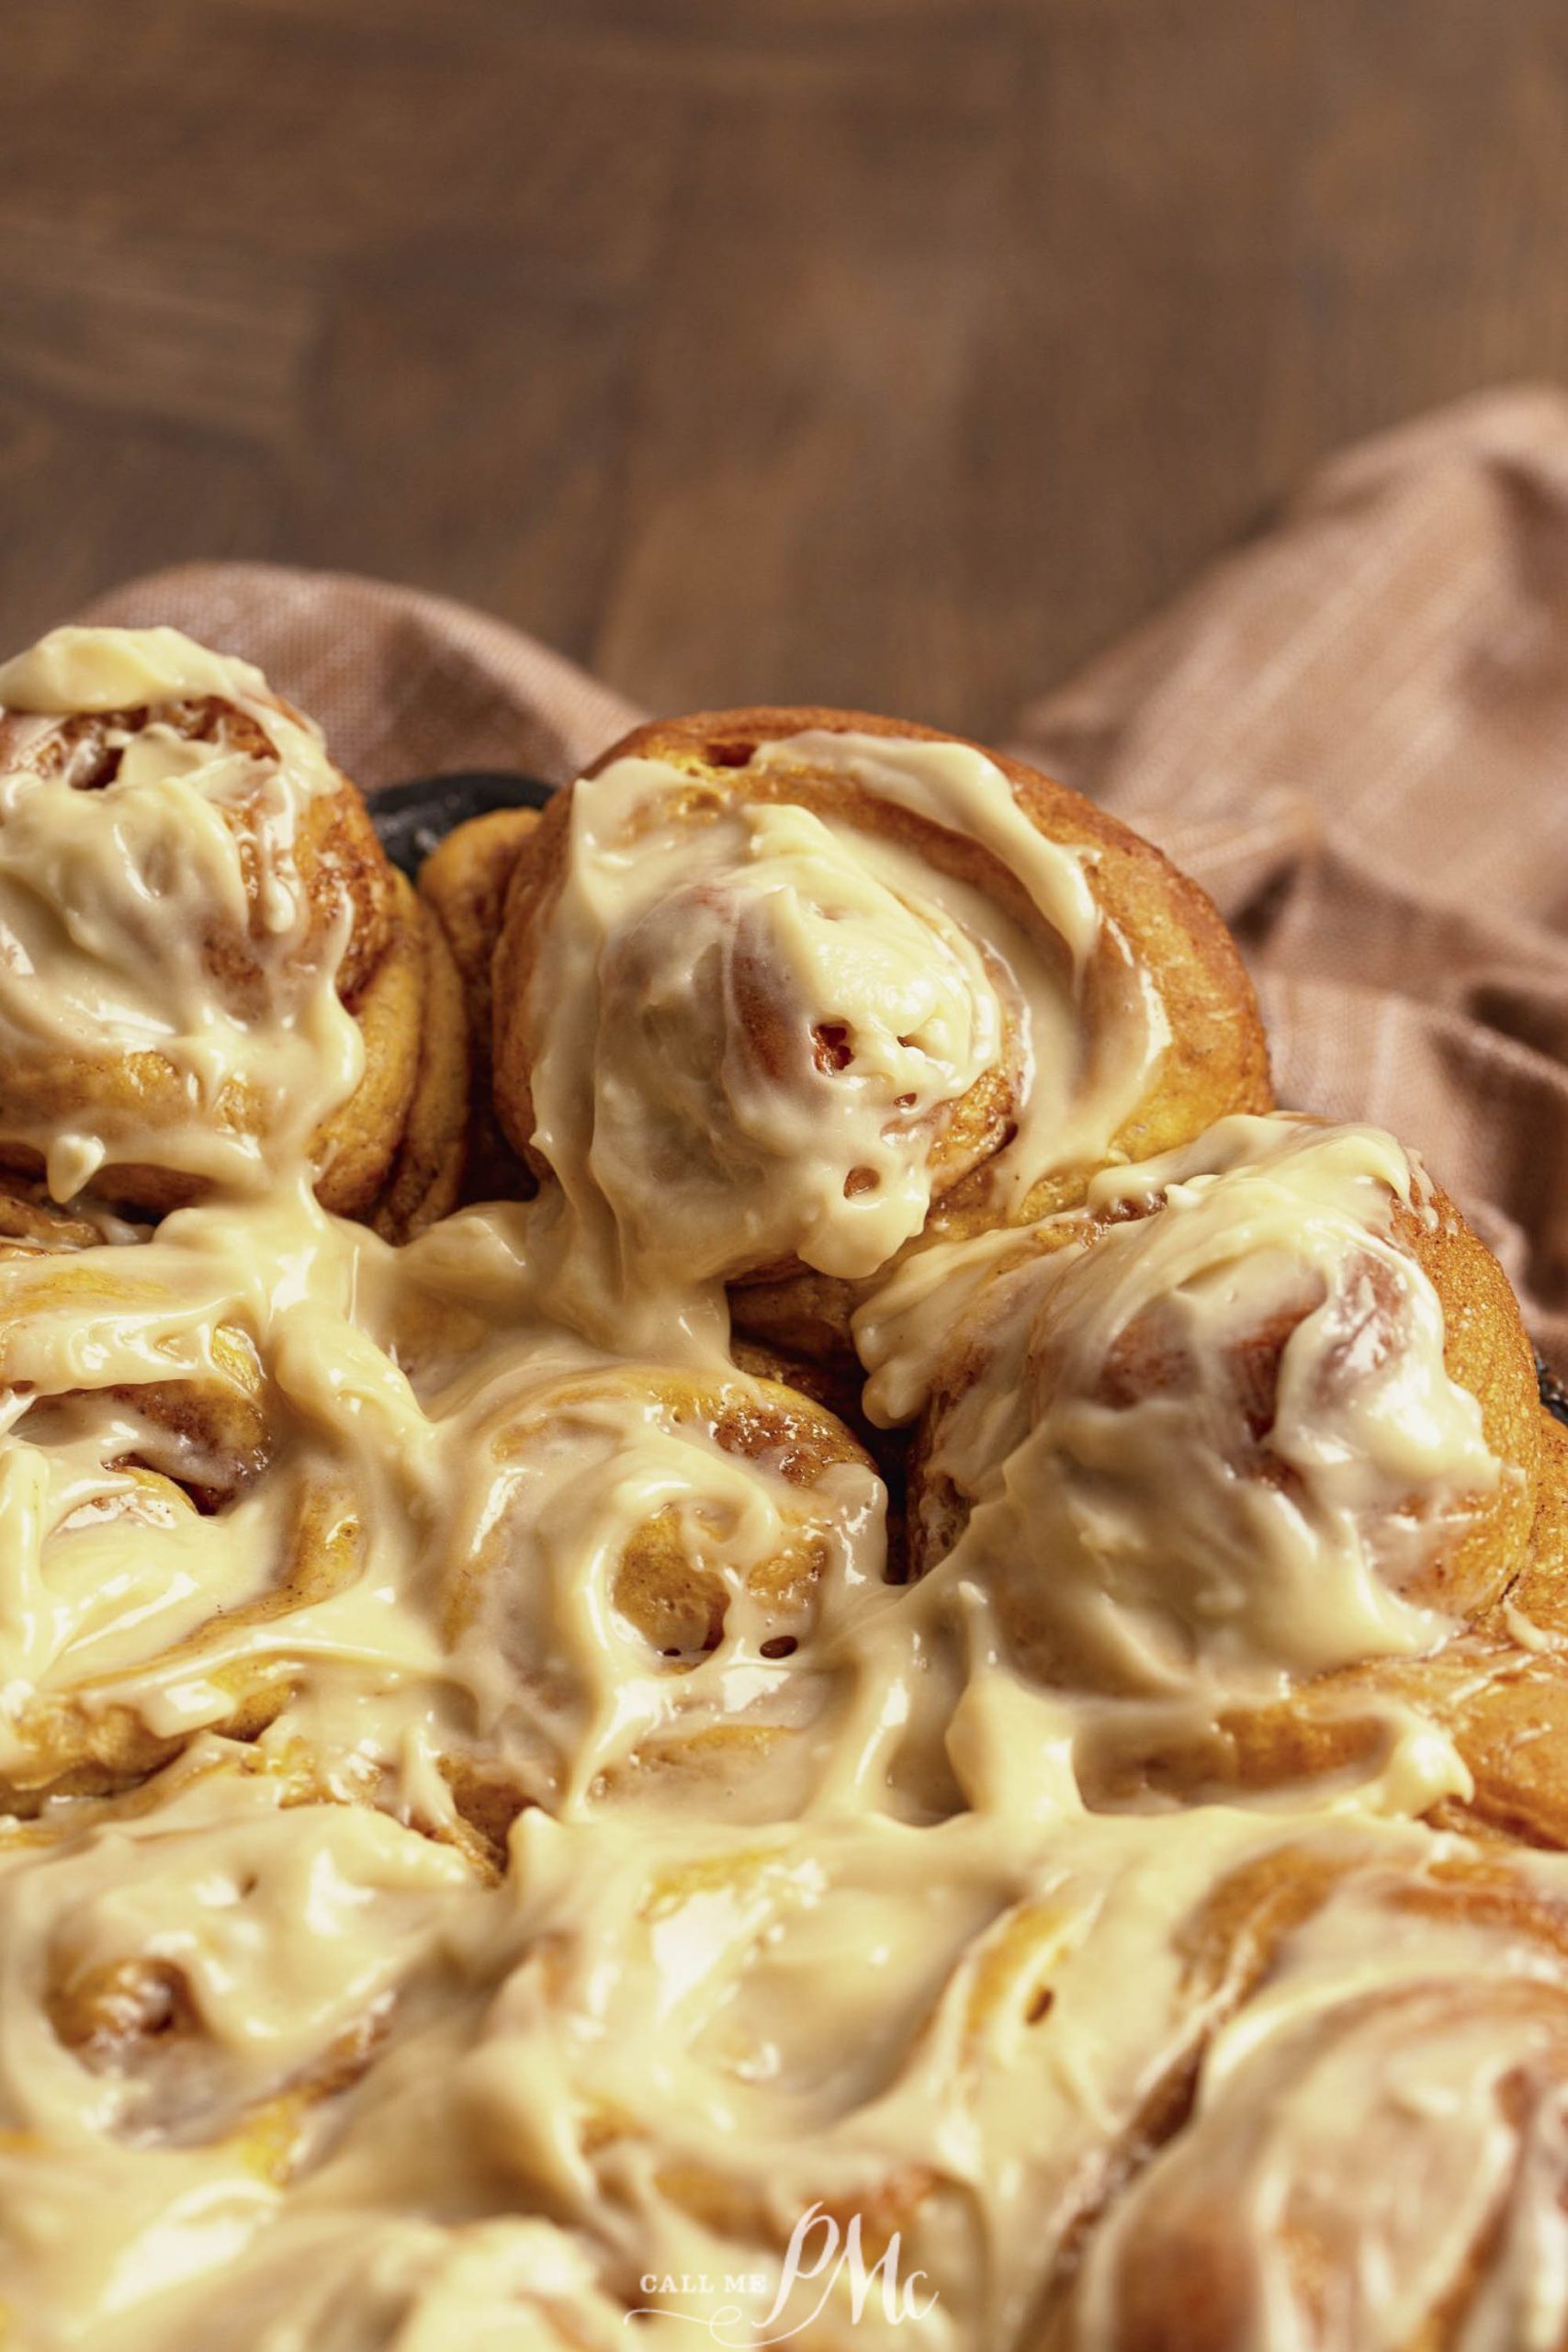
<point x="159" y="913"/>
<point x="624" y="1899"/>
<point x="775" y="1009"/>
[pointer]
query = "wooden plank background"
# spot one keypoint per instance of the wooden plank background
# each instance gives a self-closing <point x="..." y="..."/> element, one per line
<point x="898" y="352"/>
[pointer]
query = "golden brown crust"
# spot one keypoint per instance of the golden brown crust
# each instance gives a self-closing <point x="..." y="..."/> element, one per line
<point x="355" y="1148"/>
<point x="1503" y="1695"/>
<point x="426" y="1177"/>
<point x="464" y="880"/>
<point x="1486" y="1351"/>
<point x="1339" y="1721"/>
<point x="30" y="1221"/>
<point x="1217" y="1062"/>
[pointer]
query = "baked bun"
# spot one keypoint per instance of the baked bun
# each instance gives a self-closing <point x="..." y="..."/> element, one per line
<point x="1263" y="1411"/>
<point x="1490" y="1705"/>
<point x="167" y="1502"/>
<point x="201" y="1424"/>
<point x="641" y="1594"/>
<point x="233" y="969"/>
<point x="779" y="994"/>
<point x="1372" y="2157"/>
<point x="161" y="1944"/>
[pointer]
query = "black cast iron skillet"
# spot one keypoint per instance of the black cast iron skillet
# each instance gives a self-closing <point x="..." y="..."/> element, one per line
<point x="413" y="818"/>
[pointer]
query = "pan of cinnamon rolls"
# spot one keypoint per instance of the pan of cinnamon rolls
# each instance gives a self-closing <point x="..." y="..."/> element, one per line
<point x="734" y="1601"/>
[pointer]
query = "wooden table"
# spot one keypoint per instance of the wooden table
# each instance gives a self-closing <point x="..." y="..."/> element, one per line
<point x="892" y="352"/>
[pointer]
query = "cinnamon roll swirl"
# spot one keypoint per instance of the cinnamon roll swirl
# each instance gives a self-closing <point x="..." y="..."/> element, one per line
<point x="1263" y="1412"/>
<point x="205" y="962"/>
<point x="203" y="1427"/>
<point x="193" y="1988"/>
<point x="175" y="1987"/>
<point x="778" y="993"/>
<point x="1496" y="1693"/>
<point x="1374" y="2159"/>
<point x="170" y="1499"/>
<point x="633" y="1597"/>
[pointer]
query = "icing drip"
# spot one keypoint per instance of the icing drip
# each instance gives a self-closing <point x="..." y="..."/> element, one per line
<point x="488" y="1849"/>
<point x="162" y="906"/>
<point x="800" y="1026"/>
<point x="1220" y="1438"/>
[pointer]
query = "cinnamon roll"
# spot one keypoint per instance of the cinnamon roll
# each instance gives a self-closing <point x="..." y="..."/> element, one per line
<point x="184" y="1499"/>
<point x="128" y="1652"/>
<point x="1374" y="2158"/>
<point x="758" y="2047"/>
<point x="1262" y="1412"/>
<point x="1044" y="2037"/>
<point x="1496" y="1693"/>
<point x="526" y="1817"/>
<point x="205" y="962"/>
<point x="173" y="1984"/>
<point x="779" y="994"/>
<point x="634" y="1590"/>
<point x="192" y="1989"/>
<point x="202" y="1426"/>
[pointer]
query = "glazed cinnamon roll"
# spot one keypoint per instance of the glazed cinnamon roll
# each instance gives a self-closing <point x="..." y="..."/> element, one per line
<point x="132" y="1650"/>
<point x="158" y="1955"/>
<point x="755" y="2048"/>
<point x="636" y="1582"/>
<point x="193" y="1988"/>
<point x="1041" y="2034"/>
<point x="169" y="1498"/>
<point x="1374" y="2159"/>
<point x="779" y="994"/>
<point x="205" y="962"/>
<point x="1496" y="1693"/>
<point x="1262" y="1412"/>
<point x="202" y="1426"/>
